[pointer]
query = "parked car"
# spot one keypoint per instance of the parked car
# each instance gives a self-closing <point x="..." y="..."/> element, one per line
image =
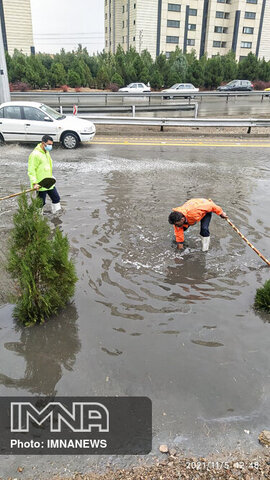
<point x="29" y="121"/>
<point x="135" y="88"/>
<point x="236" y="86"/>
<point x="181" y="89"/>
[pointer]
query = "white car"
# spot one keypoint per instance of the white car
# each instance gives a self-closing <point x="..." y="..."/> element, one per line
<point x="182" y="89"/>
<point x="29" y="121"/>
<point x="135" y="88"/>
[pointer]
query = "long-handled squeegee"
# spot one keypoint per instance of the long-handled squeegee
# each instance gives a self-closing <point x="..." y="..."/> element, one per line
<point x="248" y="242"/>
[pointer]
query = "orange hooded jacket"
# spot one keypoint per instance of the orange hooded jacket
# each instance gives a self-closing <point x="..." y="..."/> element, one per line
<point x="194" y="210"/>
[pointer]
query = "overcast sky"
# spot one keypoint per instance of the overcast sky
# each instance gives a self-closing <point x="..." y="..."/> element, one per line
<point x="65" y="23"/>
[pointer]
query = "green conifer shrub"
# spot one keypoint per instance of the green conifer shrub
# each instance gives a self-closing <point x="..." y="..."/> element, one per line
<point x="39" y="261"/>
<point x="262" y="298"/>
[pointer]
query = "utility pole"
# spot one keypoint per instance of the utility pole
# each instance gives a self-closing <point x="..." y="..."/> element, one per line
<point x="4" y="85"/>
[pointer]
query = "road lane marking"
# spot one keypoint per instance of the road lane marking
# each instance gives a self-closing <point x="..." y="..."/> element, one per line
<point x="182" y="144"/>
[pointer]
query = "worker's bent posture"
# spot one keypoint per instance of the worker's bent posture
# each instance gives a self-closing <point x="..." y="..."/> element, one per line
<point x="193" y="211"/>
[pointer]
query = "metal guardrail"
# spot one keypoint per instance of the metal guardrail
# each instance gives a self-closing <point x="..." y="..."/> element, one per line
<point x="61" y="99"/>
<point x="145" y="94"/>
<point x="179" y="122"/>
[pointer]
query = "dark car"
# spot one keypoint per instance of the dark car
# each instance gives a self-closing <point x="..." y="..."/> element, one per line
<point x="236" y="86"/>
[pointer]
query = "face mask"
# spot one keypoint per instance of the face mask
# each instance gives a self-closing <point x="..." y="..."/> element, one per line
<point x="48" y="148"/>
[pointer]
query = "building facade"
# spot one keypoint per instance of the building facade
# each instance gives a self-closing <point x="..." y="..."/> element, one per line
<point x="16" y="22"/>
<point x="209" y="27"/>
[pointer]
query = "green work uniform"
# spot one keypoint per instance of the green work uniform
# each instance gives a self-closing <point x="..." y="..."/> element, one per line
<point x="39" y="166"/>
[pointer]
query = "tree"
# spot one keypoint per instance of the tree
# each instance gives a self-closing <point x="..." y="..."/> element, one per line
<point x="229" y="66"/>
<point x="156" y="79"/>
<point x="102" y="78"/>
<point x="74" y="79"/>
<point x="248" y="68"/>
<point x="195" y="74"/>
<point x="213" y="74"/>
<point x="178" y="64"/>
<point x="264" y="71"/>
<point x="39" y="261"/>
<point x="18" y="67"/>
<point x="116" y="78"/>
<point x="36" y="73"/>
<point x="58" y="75"/>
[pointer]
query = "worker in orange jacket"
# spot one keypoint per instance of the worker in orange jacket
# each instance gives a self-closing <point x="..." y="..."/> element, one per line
<point x="193" y="211"/>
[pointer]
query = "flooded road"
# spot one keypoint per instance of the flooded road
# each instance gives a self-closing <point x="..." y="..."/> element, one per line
<point x="146" y="319"/>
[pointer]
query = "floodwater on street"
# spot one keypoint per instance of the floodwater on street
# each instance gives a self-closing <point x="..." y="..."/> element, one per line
<point x="178" y="327"/>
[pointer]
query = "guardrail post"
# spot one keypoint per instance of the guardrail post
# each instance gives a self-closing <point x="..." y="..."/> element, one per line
<point x="106" y="100"/>
<point x="227" y="99"/>
<point x="196" y="110"/>
<point x="249" y="129"/>
<point x="61" y="109"/>
<point x="133" y="110"/>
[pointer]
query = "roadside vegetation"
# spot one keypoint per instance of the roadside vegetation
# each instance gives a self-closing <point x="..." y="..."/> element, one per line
<point x="262" y="298"/>
<point x="78" y="69"/>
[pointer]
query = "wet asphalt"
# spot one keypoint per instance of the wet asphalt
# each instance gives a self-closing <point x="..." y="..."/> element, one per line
<point x="178" y="327"/>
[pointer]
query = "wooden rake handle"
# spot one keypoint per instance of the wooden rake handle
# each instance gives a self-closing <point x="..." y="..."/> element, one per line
<point x="248" y="242"/>
<point x="16" y="194"/>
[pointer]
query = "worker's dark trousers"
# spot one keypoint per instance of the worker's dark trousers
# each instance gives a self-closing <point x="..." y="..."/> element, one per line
<point x="205" y="221"/>
<point x="53" y="194"/>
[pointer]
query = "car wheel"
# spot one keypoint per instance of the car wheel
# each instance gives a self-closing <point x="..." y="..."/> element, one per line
<point x="70" y="140"/>
<point x="2" y="140"/>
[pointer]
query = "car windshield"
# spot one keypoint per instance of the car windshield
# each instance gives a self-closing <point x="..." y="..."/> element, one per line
<point x="175" y="85"/>
<point x="52" y="113"/>
<point x="231" y="83"/>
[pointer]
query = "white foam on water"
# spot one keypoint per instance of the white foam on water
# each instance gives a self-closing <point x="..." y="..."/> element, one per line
<point x="108" y="165"/>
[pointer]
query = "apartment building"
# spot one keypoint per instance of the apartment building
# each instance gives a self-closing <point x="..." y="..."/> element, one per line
<point x="209" y="27"/>
<point x="16" y="22"/>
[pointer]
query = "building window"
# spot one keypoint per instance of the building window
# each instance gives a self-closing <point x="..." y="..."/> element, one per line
<point x="221" y="29"/>
<point x="106" y="3"/>
<point x="250" y="15"/>
<point x="192" y="12"/>
<point x="246" y="44"/>
<point x="174" y="7"/>
<point x="123" y="39"/>
<point x="248" y="30"/>
<point x="134" y="5"/>
<point x="134" y="22"/>
<point x="222" y="14"/>
<point x="191" y="42"/>
<point x="173" y="23"/>
<point x="223" y="1"/>
<point x="123" y="9"/>
<point x="252" y="1"/>
<point x="106" y="30"/>
<point x="123" y="24"/>
<point x="134" y="38"/>
<point x="170" y="39"/>
<point x="106" y="16"/>
<point x="168" y="54"/>
<point x="192" y="26"/>
<point x="106" y="43"/>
